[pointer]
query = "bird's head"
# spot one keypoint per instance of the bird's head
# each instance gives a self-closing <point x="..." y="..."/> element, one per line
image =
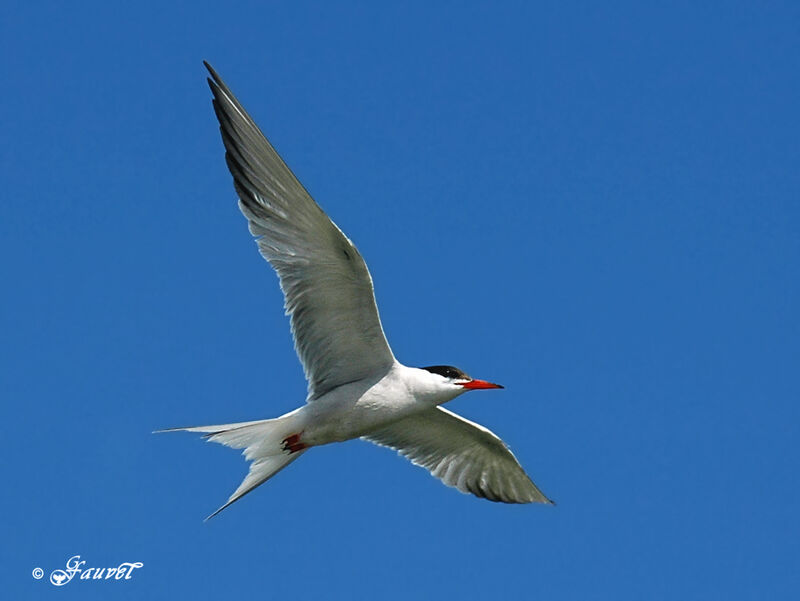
<point x="451" y="381"/>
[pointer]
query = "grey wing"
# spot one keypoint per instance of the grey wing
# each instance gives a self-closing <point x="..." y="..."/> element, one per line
<point x="461" y="454"/>
<point x="326" y="284"/>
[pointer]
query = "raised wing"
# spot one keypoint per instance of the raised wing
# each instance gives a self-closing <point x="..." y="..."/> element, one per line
<point x="461" y="454"/>
<point x="326" y="285"/>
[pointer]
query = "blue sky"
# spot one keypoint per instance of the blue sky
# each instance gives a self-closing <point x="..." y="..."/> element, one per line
<point x="596" y="207"/>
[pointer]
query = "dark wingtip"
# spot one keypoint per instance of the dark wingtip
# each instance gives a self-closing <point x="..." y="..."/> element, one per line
<point x="210" y="69"/>
<point x="215" y="81"/>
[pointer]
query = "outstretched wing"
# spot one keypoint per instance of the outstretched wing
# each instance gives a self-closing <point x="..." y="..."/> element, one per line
<point x="461" y="454"/>
<point x="326" y="284"/>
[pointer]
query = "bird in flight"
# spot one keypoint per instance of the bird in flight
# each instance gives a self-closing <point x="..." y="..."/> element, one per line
<point x="356" y="387"/>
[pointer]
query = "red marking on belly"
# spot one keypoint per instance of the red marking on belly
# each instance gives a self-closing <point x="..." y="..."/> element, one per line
<point x="292" y="443"/>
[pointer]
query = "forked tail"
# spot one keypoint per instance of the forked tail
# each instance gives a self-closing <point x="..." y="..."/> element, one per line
<point x="271" y="445"/>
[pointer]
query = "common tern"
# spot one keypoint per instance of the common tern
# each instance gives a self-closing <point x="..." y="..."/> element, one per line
<point x="356" y="387"/>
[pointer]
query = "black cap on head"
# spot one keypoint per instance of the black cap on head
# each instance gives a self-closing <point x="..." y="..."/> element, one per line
<point x="448" y="371"/>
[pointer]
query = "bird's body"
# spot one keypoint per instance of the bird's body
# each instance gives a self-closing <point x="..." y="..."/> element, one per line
<point x="357" y="389"/>
<point x="355" y="409"/>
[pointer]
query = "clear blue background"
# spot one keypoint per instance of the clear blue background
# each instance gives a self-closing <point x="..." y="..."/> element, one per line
<point x="597" y="207"/>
